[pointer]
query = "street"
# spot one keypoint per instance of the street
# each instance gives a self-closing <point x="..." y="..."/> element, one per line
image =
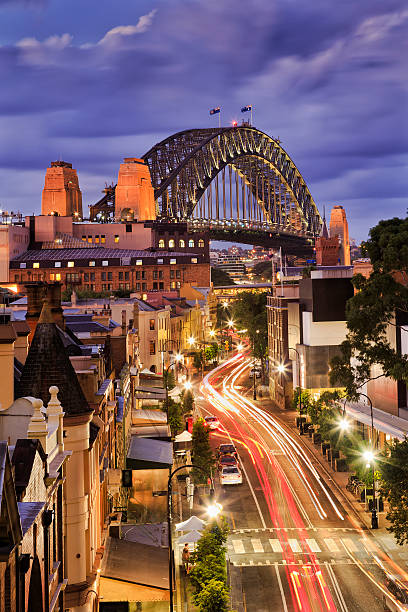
<point x="294" y="544"/>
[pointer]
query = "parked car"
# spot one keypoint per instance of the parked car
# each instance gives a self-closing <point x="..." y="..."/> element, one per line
<point x="255" y="372"/>
<point x="226" y="460"/>
<point x="212" y="422"/>
<point x="399" y="591"/>
<point x="226" y="449"/>
<point x="230" y="475"/>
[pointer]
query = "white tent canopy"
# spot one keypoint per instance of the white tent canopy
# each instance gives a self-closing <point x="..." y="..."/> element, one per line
<point x="193" y="536"/>
<point x="175" y="392"/>
<point x="192" y="523"/>
<point x="185" y="436"/>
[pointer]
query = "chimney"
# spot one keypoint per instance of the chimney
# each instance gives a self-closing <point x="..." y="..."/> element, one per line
<point x="54" y="301"/>
<point x="7" y="338"/>
<point x="123" y="322"/>
<point x="36" y="293"/>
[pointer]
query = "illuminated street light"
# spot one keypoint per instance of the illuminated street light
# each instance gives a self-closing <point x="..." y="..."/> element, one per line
<point x="188" y="385"/>
<point x="344" y="424"/>
<point x="178" y="357"/>
<point x="240" y="347"/>
<point x="212" y="333"/>
<point x="191" y="340"/>
<point x="225" y="304"/>
<point x="368" y="456"/>
<point x="281" y="368"/>
<point x="214" y="510"/>
<point x="231" y="323"/>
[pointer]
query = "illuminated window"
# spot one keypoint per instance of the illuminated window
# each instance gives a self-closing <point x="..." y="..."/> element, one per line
<point x="139" y="262"/>
<point x="103" y="240"/>
<point x="173" y="261"/>
<point x="151" y="324"/>
<point x="194" y="260"/>
<point x="182" y="243"/>
<point x="201" y="243"/>
<point x="52" y="276"/>
<point x="71" y="264"/>
<point x="91" y="263"/>
<point x="152" y="347"/>
<point x="84" y="238"/>
<point x="57" y="264"/>
<point x="172" y="243"/>
<point x="105" y="262"/>
<point x="159" y="261"/>
<point x="97" y="239"/>
<point x="89" y="238"/>
<point x="58" y="276"/>
<point x="36" y="264"/>
<point x="173" y="285"/>
<point x="191" y="243"/>
<point x="116" y="238"/>
<point x="23" y="265"/>
<point x="161" y="243"/>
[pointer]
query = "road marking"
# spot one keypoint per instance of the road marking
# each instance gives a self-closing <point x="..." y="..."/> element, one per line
<point x="313" y="545"/>
<point x="276" y="546"/>
<point x="351" y="545"/>
<point x="257" y="545"/>
<point x="336" y="587"/>
<point x="295" y="546"/>
<point x="372" y="547"/>
<point x="331" y="545"/>
<point x="238" y="546"/>
<point x="285" y="607"/>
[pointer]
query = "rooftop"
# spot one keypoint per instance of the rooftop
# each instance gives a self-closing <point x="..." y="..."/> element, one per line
<point x="92" y="253"/>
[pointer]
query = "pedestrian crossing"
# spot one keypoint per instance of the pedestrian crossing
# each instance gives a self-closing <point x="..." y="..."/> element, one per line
<point x="283" y="545"/>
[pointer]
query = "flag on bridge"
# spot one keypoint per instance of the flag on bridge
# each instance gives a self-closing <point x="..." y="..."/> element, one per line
<point x="214" y="111"/>
<point x="246" y="109"/>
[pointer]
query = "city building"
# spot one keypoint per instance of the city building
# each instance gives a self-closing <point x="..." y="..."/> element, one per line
<point x="339" y="227"/>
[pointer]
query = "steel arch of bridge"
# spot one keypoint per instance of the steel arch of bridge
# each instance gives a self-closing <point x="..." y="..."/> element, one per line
<point x="185" y="164"/>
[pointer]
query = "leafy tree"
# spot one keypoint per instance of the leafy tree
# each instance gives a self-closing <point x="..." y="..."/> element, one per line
<point x="213" y="598"/>
<point x="249" y="312"/>
<point x="263" y="269"/>
<point x="174" y="418"/>
<point x="211" y="352"/>
<point x="198" y="360"/>
<point x="201" y="452"/>
<point x="394" y="470"/>
<point x="307" y="270"/>
<point x="169" y="379"/>
<point x="220" y="277"/>
<point x="380" y="300"/>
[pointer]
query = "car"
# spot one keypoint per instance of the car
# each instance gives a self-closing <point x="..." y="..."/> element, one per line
<point x="230" y="475"/>
<point x="226" y="449"/>
<point x="212" y="422"/>
<point x="226" y="460"/>
<point x="399" y="594"/>
<point x="255" y="372"/>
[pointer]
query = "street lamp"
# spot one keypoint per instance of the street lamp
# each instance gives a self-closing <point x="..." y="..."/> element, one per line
<point x="369" y="457"/>
<point x="212" y="333"/>
<point x="213" y="510"/>
<point x="166" y="381"/>
<point x="344" y="423"/>
<point x="191" y="340"/>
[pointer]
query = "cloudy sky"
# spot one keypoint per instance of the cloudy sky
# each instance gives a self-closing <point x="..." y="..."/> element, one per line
<point x="94" y="81"/>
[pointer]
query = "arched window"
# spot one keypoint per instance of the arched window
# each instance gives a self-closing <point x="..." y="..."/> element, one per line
<point x="182" y="243"/>
<point x="172" y="244"/>
<point x="191" y="243"/>
<point x="161" y="243"/>
<point x="201" y="243"/>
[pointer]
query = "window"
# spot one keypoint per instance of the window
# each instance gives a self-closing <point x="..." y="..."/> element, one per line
<point x="139" y="262"/>
<point x="171" y="273"/>
<point x="201" y="243"/>
<point x="58" y="276"/>
<point x="91" y="264"/>
<point x="103" y="276"/>
<point x="84" y="238"/>
<point x="137" y="286"/>
<point x="52" y="276"/>
<point x="57" y="264"/>
<point x="103" y="239"/>
<point x="194" y="260"/>
<point x="178" y="284"/>
<point x="103" y="287"/>
<point x="16" y="278"/>
<point x="160" y="273"/>
<point x="89" y="238"/>
<point x="120" y="275"/>
<point x="178" y="273"/>
<point x="86" y="276"/>
<point x="23" y="265"/>
<point x="161" y="286"/>
<point x="182" y="243"/>
<point x="173" y="261"/>
<point x="143" y="274"/>
<point x="154" y="273"/>
<point x="105" y="262"/>
<point x="92" y="276"/>
<point x="126" y="275"/>
<point x="116" y="238"/>
<point x="161" y="243"/>
<point x="36" y="264"/>
<point x="138" y="275"/>
<point x="110" y="277"/>
<point x="159" y="261"/>
<point x="128" y="227"/>
<point x="97" y="239"/>
<point x="155" y="286"/>
<point x="144" y="286"/>
<point x="152" y="347"/>
<point x="172" y="243"/>
<point x="71" y="264"/>
<point x="151" y="324"/>
<point x="191" y="243"/>
<point x="109" y="287"/>
<point x="173" y="285"/>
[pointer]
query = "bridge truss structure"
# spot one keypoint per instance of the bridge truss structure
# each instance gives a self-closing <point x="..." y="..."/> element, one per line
<point x="236" y="182"/>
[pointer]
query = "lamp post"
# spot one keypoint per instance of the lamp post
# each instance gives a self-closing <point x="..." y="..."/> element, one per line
<point x="166" y="382"/>
<point x="291" y="348"/>
<point x="370" y="461"/>
<point x="169" y="493"/>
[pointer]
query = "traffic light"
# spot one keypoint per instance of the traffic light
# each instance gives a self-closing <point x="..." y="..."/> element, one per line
<point x="126" y="478"/>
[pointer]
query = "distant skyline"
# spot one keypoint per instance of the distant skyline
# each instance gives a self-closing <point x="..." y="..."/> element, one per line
<point x="106" y="80"/>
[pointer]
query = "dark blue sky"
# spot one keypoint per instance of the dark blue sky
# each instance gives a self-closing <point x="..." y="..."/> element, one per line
<point x="92" y="82"/>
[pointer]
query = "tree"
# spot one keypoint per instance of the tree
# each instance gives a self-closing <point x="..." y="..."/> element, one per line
<point x="220" y="277"/>
<point x="188" y="402"/>
<point x="213" y="597"/>
<point x="263" y="269"/>
<point x="394" y="472"/>
<point x="249" y="312"/>
<point x="201" y="452"/>
<point x="174" y="417"/>
<point x="380" y="301"/>
<point x="211" y="352"/>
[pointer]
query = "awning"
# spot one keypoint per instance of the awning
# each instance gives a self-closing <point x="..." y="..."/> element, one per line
<point x="191" y="537"/>
<point x="143" y="392"/>
<point x="185" y="436"/>
<point x="145" y="453"/>
<point x="383" y="421"/>
<point x="193" y="522"/>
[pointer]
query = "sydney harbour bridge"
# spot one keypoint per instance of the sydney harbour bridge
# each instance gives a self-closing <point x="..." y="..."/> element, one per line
<point x="237" y="183"/>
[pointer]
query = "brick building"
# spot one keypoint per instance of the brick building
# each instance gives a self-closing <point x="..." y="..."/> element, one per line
<point x="102" y="269"/>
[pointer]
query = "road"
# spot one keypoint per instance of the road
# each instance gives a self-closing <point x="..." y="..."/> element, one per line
<point x="294" y="544"/>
